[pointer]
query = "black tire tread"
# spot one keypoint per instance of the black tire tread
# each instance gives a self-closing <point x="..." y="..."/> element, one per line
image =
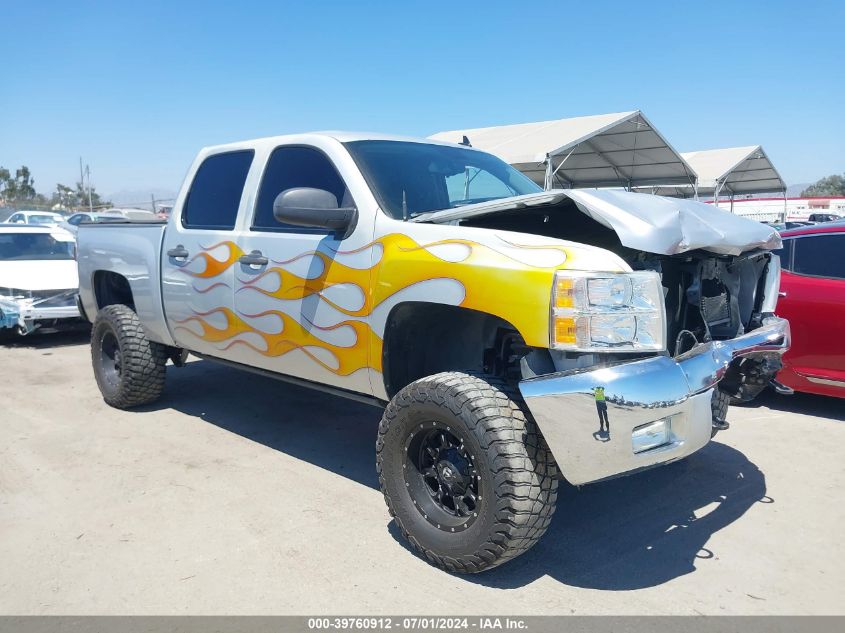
<point x="143" y="361"/>
<point x="524" y="472"/>
<point x="719" y="407"/>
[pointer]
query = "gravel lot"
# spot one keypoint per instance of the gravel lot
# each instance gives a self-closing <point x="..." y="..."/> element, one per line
<point x="239" y="494"/>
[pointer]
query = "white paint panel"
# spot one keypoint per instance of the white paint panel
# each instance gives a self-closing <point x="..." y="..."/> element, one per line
<point x="192" y="326"/>
<point x="534" y="256"/>
<point x="250" y="338"/>
<point x="450" y="252"/>
<point x="446" y="291"/>
<point x="216" y="319"/>
<point x="346" y="296"/>
<point x="363" y="259"/>
<point x="306" y="266"/>
<point x="270" y="281"/>
<point x="323" y="355"/>
<point x="343" y="336"/>
<point x="268" y="323"/>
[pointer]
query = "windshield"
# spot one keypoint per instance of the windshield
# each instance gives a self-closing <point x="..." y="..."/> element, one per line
<point x="28" y="246"/>
<point x="42" y="219"/>
<point x="412" y="178"/>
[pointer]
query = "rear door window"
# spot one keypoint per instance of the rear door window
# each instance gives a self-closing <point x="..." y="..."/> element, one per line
<point x="215" y="193"/>
<point x="820" y="255"/>
<point x="291" y="167"/>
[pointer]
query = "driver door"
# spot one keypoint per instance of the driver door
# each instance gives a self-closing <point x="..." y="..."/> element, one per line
<point x="302" y="299"/>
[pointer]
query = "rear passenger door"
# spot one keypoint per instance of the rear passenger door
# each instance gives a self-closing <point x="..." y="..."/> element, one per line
<point x="200" y="253"/>
<point x="304" y="302"/>
<point x="813" y="300"/>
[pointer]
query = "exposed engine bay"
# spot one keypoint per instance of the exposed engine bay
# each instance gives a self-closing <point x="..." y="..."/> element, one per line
<point x="708" y="296"/>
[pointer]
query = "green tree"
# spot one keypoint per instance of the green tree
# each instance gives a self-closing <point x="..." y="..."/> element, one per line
<point x="21" y="187"/>
<point x="77" y="197"/>
<point x="5" y="177"/>
<point x="829" y="186"/>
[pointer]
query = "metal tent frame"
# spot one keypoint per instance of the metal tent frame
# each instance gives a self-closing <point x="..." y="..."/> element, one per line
<point x="734" y="171"/>
<point x="608" y="150"/>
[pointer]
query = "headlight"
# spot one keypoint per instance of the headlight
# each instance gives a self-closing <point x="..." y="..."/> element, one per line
<point x="608" y="312"/>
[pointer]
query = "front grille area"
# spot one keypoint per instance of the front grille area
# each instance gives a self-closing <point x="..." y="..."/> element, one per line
<point x="715" y="303"/>
<point x="711" y="297"/>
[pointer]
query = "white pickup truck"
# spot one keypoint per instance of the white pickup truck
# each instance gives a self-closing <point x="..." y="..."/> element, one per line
<point x="514" y="336"/>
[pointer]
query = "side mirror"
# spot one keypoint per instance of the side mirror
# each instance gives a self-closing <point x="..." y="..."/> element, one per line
<point x="314" y="208"/>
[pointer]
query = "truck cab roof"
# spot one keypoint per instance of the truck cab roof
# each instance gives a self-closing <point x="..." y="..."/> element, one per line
<point x="309" y="137"/>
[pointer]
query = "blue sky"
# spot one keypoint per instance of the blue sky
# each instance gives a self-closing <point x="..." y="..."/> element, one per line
<point x="136" y="88"/>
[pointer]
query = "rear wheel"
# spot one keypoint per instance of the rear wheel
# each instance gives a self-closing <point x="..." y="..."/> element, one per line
<point x="129" y="368"/>
<point x="464" y="471"/>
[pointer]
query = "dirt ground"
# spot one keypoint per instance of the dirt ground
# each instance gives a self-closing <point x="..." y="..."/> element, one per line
<point x="243" y="495"/>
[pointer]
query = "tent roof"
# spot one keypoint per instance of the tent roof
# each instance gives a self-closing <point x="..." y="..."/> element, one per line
<point x="731" y="170"/>
<point x="739" y="169"/>
<point x="606" y="150"/>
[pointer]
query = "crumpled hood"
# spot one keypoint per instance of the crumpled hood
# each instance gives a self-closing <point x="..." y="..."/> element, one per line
<point x="39" y="274"/>
<point x="673" y="225"/>
<point x="654" y="224"/>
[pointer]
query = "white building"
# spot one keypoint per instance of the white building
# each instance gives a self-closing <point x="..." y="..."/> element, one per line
<point x="772" y="209"/>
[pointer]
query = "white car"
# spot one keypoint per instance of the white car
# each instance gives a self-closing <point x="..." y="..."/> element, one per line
<point x="38" y="277"/>
<point x="131" y="214"/>
<point x="96" y="217"/>
<point x="36" y="217"/>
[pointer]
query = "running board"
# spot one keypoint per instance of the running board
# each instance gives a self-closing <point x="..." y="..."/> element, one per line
<point x="299" y="382"/>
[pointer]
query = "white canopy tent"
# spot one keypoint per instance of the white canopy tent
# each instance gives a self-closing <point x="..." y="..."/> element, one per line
<point x="606" y="150"/>
<point x="731" y="171"/>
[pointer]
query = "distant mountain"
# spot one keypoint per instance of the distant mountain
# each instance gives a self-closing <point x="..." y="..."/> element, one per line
<point x="140" y="198"/>
<point x="793" y="191"/>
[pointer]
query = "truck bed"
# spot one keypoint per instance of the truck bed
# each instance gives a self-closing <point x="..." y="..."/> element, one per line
<point x="132" y="249"/>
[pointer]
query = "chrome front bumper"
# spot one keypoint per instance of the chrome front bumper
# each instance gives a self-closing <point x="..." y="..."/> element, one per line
<point x="637" y="393"/>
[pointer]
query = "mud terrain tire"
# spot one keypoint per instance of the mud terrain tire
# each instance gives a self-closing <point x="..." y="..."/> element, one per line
<point x="480" y="431"/>
<point x="129" y="368"/>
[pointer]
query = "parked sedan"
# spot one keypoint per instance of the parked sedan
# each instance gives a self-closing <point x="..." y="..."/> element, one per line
<point x="76" y="219"/>
<point x="38" y="278"/>
<point x="36" y="217"/>
<point x="812" y="298"/>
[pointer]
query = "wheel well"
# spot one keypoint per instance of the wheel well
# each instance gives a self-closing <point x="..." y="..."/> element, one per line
<point x="421" y="339"/>
<point x="112" y="288"/>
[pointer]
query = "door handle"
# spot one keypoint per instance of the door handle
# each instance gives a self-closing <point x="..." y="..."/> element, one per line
<point x="255" y="258"/>
<point x="179" y="252"/>
<point x="781" y="294"/>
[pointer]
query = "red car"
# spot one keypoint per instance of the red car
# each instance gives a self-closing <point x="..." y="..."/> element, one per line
<point x="812" y="298"/>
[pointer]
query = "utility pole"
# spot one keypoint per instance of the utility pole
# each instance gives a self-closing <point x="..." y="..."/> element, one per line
<point x="90" y="204"/>
<point x="153" y="198"/>
<point x="82" y="173"/>
<point x="81" y="177"/>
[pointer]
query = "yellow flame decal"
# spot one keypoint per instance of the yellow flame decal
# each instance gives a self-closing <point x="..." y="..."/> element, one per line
<point x="213" y="266"/>
<point x="292" y="337"/>
<point x="494" y="282"/>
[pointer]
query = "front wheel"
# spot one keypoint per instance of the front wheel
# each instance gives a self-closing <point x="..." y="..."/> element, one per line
<point x="464" y="471"/>
<point x="719" y="409"/>
<point x="129" y="368"/>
